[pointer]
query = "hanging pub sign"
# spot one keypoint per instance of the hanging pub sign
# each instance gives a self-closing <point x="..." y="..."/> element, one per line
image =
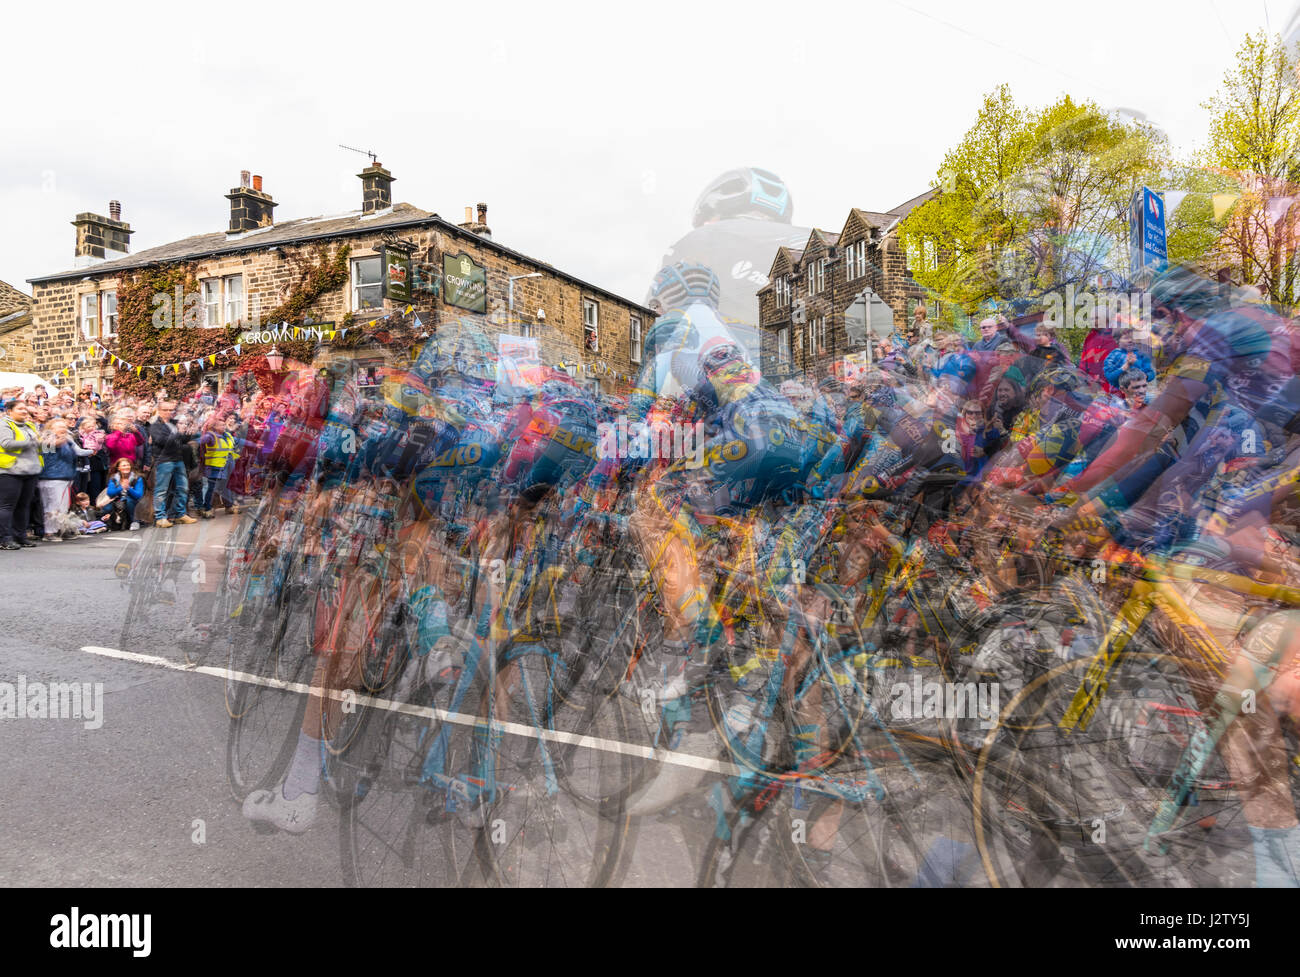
<point x="397" y="275"/>
<point x="464" y="283"/>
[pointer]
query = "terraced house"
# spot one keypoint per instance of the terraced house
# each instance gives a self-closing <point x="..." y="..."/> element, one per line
<point x="400" y="261"/>
<point x="823" y="300"/>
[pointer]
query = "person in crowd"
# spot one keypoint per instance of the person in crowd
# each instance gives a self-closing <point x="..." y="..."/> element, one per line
<point x="59" y="454"/>
<point x="91" y="436"/>
<point x="20" y="466"/>
<point x="992" y="335"/>
<point x="124" y="490"/>
<point x="1097" y="346"/>
<point x="167" y="442"/>
<point x="220" y="449"/>
<point x="1126" y="356"/>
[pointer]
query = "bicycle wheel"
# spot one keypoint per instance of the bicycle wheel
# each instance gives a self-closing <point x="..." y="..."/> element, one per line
<point x="390" y="823"/>
<point x="266" y="716"/>
<point x="536" y="834"/>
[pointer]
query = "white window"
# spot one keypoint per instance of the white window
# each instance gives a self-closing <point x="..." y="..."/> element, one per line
<point x="634" y="340"/>
<point x="110" y="314"/>
<point x="783" y="345"/>
<point x="817" y="335"/>
<point x="233" y="286"/>
<point x="90" y="316"/>
<point x="821" y="274"/>
<point x="590" y="330"/>
<point x="785" y="290"/>
<point x="210" y="291"/>
<point x="850" y="263"/>
<point x="367" y="284"/>
<point x="862" y="258"/>
<point x="811" y="275"/>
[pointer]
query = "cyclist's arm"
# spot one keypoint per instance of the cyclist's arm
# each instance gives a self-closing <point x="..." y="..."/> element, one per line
<point x="1143" y="432"/>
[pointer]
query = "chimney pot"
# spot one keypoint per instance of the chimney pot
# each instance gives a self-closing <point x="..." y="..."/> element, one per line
<point x="469" y="214"/>
<point x="482" y="213"/>
<point x="115" y="209"/>
<point x="257" y="182"/>
<point x="244" y="178"/>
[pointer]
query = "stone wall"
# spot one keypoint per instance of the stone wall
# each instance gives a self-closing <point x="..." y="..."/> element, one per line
<point x="269" y="278"/>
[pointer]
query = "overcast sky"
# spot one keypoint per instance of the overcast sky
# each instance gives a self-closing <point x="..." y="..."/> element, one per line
<point x="588" y="129"/>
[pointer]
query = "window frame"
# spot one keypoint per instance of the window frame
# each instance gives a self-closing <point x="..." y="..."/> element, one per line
<point x="783" y="345"/>
<point x="108" y="323"/>
<point x="634" y="339"/>
<point x="210" y="320"/>
<point x="355" y="285"/>
<point x="591" y="328"/>
<point x="228" y="318"/>
<point x="86" y="299"/>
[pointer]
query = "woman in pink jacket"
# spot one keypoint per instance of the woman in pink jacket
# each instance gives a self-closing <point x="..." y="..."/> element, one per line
<point x="123" y="440"/>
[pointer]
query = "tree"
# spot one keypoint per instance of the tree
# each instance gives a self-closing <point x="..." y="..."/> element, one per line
<point x="1254" y="137"/>
<point x="1033" y="201"/>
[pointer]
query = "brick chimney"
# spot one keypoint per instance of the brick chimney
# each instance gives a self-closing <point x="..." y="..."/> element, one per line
<point x="250" y="208"/>
<point x="376" y="188"/>
<point x="101" y="238"/>
<point x="479" y="226"/>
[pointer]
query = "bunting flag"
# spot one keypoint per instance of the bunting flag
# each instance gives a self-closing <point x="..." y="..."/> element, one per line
<point x="98" y="351"/>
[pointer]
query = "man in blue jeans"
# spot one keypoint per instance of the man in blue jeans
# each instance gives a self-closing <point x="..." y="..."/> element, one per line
<point x="168" y="446"/>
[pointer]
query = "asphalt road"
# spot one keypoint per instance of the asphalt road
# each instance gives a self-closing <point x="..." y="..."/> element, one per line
<point x="143" y="800"/>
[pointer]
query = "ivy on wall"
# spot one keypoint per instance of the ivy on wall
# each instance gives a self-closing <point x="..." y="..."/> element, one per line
<point x="141" y="340"/>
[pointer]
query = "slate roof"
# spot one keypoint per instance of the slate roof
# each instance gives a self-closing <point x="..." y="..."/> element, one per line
<point x="309" y="229"/>
<point x="13" y="300"/>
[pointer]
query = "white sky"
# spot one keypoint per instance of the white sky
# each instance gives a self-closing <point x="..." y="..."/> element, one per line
<point x="589" y="129"/>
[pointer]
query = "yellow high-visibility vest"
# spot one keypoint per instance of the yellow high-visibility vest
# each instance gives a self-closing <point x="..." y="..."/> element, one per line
<point x="7" y="458"/>
<point x="217" y="454"/>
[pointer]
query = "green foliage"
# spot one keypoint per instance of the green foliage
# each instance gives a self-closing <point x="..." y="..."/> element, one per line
<point x="1032" y="200"/>
<point x="1254" y="141"/>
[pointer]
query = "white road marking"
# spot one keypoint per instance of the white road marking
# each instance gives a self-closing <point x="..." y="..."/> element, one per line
<point x="429" y="712"/>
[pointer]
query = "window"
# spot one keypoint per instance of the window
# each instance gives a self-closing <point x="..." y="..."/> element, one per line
<point x="817" y="335"/>
<point x="634" y="340"/>
<point x="783" y="290"/>
<point x="367" y="284"/>
<point x="855" y="260"/>
<point x="234" y="289"/>
<point x="90" y="315"/>
<point x="210" y="290"/>
<point x="110" y="314"/>
<point x="590" y="332"/>
<point x="783" y="345"/>
<point x="817" y="276"/>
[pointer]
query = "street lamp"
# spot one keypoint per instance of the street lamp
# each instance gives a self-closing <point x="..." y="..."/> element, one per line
<point x="274" y="359"/>
<point x="510" y="291"/>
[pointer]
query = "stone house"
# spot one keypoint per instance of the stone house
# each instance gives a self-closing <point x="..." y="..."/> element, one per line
<point x="401" y="257"/>
<point x="16" y="330"/>
<point x="821" y="299"/>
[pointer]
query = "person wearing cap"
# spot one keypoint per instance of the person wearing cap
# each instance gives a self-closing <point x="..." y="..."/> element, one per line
<point x="20" y="466"/>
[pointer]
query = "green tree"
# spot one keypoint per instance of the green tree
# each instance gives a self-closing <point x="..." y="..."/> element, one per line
<point x="1032" y="201"/>
<point x="1254" y="137"/>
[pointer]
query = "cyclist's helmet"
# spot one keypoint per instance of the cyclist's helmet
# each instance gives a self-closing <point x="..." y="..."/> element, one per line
<point x="1181" y="289"/>
<point x="744" y="192"/>
<point x="679" y="285"/>
<point x="669" y="333"/>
